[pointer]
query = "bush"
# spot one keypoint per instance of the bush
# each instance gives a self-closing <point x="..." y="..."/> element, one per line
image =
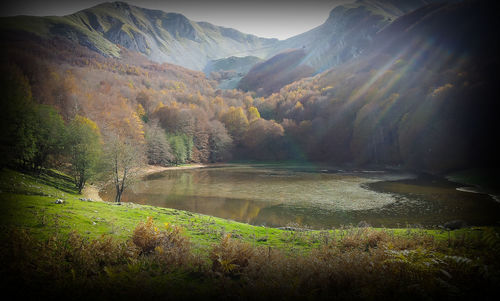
<point x="168" y="246"/>
<point x="230" y="257"/>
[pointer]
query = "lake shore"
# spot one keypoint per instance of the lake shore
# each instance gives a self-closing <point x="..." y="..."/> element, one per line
<point x="150" y="169"/>
<point x="91" y="191"/>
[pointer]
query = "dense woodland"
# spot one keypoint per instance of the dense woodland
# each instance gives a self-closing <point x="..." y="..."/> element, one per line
<point x="163" y="114"/>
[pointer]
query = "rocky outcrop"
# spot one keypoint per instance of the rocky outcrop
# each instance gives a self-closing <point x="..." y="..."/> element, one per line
<point x="179" y="27"/>
<point x="132" y="40"/>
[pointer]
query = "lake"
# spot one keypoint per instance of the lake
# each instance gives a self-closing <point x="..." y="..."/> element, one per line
<point x="310" y="196"/>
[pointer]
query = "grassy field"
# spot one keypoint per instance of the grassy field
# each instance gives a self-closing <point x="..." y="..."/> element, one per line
<point x="211" y="257"/>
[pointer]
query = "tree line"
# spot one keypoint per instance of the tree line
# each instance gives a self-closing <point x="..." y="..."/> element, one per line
<point x="38" y="136"/>
<point x="35" y="137"/>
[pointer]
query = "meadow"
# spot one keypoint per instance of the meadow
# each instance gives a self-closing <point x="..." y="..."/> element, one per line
<point x="83" y="248"/>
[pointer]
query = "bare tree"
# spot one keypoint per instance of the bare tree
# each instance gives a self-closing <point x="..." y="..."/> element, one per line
<point x="125" y="157"/>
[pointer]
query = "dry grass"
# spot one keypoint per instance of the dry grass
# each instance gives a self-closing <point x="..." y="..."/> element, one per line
<point x="354" y="263"/>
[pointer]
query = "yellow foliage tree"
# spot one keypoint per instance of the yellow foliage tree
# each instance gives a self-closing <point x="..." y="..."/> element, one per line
<point x="253" y="114"/>
<point x="235" y="121"/>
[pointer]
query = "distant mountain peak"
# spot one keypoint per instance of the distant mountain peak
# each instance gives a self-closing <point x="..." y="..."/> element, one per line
<point x="116" y="5"/>
<point x="121" y="4"/>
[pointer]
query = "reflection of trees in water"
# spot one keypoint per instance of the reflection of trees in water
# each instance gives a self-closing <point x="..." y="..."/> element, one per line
<point x="240" y="210"/>
<point x="235" y="209"/>
<point x="185" y="183"/>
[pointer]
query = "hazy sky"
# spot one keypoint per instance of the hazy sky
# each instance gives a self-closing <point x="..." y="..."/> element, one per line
<point x="277" y="19"/>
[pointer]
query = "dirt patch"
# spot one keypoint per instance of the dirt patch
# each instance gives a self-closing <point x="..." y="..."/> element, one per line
<point x="91" y="192"/>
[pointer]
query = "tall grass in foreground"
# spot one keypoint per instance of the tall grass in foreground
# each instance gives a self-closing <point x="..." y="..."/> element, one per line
<point x="157" y="262"/>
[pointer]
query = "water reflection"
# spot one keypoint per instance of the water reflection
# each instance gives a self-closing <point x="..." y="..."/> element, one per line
<point x="317" y="197"/>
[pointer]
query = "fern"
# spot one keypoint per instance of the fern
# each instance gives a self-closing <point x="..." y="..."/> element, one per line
<point x="491" y="238"/>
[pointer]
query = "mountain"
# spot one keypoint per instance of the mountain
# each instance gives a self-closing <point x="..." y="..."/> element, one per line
<point x="162" y="37"/>
<point x="423" y="95"/>
<point x="348" y="32"/>
<point x="173" y="38"/>
<point x="229" y="71"/>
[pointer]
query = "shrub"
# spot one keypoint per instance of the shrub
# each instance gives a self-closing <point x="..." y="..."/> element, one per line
<point x="168" y="246"/>
<point x="230" y="256"/>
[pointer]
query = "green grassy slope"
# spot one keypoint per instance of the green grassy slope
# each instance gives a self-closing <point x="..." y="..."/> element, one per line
<point x="29" y="202"/>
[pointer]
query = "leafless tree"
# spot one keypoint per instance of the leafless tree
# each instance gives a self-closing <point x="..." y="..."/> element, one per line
<point x="125" y="157"/>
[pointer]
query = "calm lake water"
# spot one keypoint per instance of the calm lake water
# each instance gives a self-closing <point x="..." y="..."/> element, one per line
<point x="318" y="197"/>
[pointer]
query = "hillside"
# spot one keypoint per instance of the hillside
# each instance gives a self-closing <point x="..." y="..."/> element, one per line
<point x="85" y="248"/>
<point x="162" y="37"/>
<point x="229" y="71"/>
<point x="422" y="96"/>
<point x="348" y="32"/>
<point x="282" y="69"/>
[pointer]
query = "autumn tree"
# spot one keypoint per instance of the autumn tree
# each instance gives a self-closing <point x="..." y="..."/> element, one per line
<point x="141" y="113"/>
<point x="168" y="117"/>
<point x="201" y="136"/>
<point x="235" y="121"/>
<point x="146" y="103"/>
<point x="263" y="139"/>
<point x="253" y="114"/>
<point x="84" y="147"/>
<point x="220" y="141"/>
<point x="186" y="122"/>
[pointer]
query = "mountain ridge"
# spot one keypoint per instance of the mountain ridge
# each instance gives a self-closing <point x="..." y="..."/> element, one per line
<point x="173" y="38"/>
<point x="161" y="36"/>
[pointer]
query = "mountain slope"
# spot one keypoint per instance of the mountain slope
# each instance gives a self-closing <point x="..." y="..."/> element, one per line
<point x="229" y="71"/>
<point x="423" y="95"/>
<point x="282" y="69"/>
<point x="162" y="37"/>
<point x="348" y="32"/>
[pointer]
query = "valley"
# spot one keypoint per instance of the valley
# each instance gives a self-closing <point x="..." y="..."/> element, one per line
<point x="356" y="160"/>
